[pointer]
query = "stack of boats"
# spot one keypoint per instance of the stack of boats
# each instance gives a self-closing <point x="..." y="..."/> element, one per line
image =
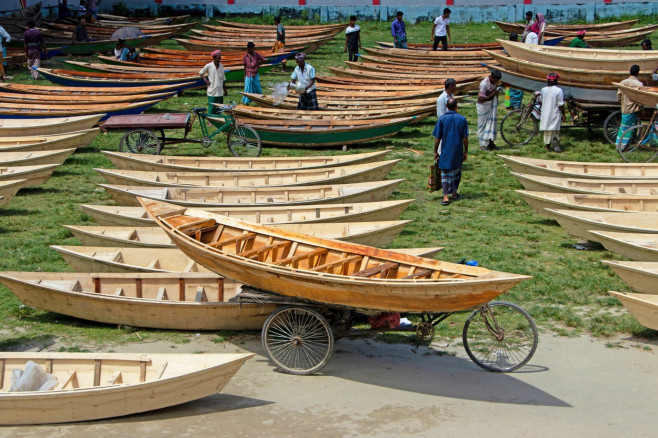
<point x="613" y="204"/>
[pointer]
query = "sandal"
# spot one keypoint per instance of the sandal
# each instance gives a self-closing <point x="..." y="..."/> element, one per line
<point x="445" y="202"/>
<point x="456" y="197"/>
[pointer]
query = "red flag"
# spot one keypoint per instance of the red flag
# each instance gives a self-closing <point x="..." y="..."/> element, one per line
<point x="23" y="3"/>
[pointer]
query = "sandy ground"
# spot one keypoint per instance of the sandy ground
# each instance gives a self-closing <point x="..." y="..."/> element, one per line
<point x="572" y="387"/>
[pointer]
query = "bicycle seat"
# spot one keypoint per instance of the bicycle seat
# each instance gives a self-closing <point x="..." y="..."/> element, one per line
<point x="200" y="109"/>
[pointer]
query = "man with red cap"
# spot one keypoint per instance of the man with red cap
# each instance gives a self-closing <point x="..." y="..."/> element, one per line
<point x="552" y="112"/>
<point x="213" y="74"/>
<point x="579" y="41"/>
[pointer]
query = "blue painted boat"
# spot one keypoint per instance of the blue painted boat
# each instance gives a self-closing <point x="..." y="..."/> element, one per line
<point x="9" y="111"/>
<point x="71" y="78"/>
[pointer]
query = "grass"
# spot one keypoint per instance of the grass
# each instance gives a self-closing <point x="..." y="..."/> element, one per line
<point x="492" y="224"/>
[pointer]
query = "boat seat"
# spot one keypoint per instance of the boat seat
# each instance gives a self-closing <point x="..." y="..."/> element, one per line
<point x="377" y="269"/>
<point x="296" y="258"/>
<point x="67" y="285"/>
<point x="343" y="261"/>
<point x="423" y="273"/>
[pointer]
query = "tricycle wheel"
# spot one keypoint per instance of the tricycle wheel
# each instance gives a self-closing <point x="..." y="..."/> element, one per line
<point x="518" y="127"/>
<point x="611" y="126"/>
<point x="298" y="340"/>
<point x="500" y="337"/>
<point x="140" y="141"/>
<point x="244" y="141"/>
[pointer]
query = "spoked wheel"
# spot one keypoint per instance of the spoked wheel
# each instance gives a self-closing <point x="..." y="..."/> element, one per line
<point x="244" y="141"/>
<point x="518" y="127"/>
<point x="500" y="337"/>
<point x="611" y="126"/>
<point x="641" y="147"/>
<point x="298" y="340"/>
<point x="140" y="141"/>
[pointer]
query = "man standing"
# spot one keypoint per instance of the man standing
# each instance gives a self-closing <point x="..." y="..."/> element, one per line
<point x="450" y="86"/>
<point x="251" y="61"/>
<point x="280" y="39"/>
<point x="451" y="131"/>
<point x="63" y="10"/>
<point x="441" y="30"/>
<point x="487" y="110"/>
<point x="552" y="112"/>
<point x="399" y="32"/>
<point x="529" y="25"/>
<point x="213" y="75"/>
<point x="629" y="109"/>
<point x="4" y="39"/>
<point x="304" y="74"/>
<point x="352" y="39"/>
<point x="34" y="45"/>
<point x="80" y="33"/>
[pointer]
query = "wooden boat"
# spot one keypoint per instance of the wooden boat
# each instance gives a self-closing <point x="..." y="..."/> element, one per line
<point x="380" y="233"/>
<point x="261" y="40"/>
<point x="363" y="95"/>
<point x="640" y="276"/>
<point x="326" y="271"/>
<point x="255" y="197"/>
<point x="122" y="260"/>
<point x="3" y="201"/>
<point x="539" y="183"/>
<point x="39" y="111"/>
<point x="53" y="100"/>
<point x="207" y="46"/>
<point x="645" y="96"/>
<point x="47" y="126"/>
<point x="618" y="40"/>
<point x="187" y="163"/>
<point x="579" y="223"/>
<point x="356" y="173"/>
<point x="590" y="59"/>
<point x="340" y="26"/>
<point x="293" y="30"/>
<point x="71" y="78"/>
<point x="320" y="213"/>
<point x="321" y="133"/>
<point x="347" y="72"/>
<point x="8" y="189"/>
<point x="35" y="158"/>
<point x="544" y="203"/>
<point x="108" y="45"/>
<point x="378" y="59"/>
<point x="380" y="82"/>
<point x="470" y="69"/>
<point x="453" y="47"/>
<point x="290" y="102"/>
<point x="185" y="60"/>
<point x="51" y="143"/>
<point x="33" y="175"/>
<point x="108" y="18"/>
<point x="82" y="91"/>
<point x="167" y="301"/>
<point x="508" y="27"/>
<point x="636" y="246"/>
<point x="253" y="112"/>
<point x="577" y="169"/>
<point x="643" y="307"/>
<point x="105" y="385"/>
<point x="456" y="55"/>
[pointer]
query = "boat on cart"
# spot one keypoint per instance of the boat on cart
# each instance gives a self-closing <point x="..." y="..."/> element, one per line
<point x="640" y="276"/>
<point x="645" y="96"/>
<point x="91" y="386"/>
<point x="642" y="306"/>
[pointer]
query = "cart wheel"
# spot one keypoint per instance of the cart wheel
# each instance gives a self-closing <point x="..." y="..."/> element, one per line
<point x="500" y="337"/>
<point x="140" y="141"/>
<point x="244" y="141"/>
<point x="611" y="126"/>
<point x="642" y="146"/>
<point x="518" y="127"/>
<point x="298" y="340"/>
<point x="425" y="332"/>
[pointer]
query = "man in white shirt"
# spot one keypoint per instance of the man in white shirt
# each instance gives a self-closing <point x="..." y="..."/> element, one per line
<point x="4" y="38"/>
<point x="552" y="112"/>
<point x="441" y="30"/>
<point x="213" y="74"/>
<point x="305" y="74"/>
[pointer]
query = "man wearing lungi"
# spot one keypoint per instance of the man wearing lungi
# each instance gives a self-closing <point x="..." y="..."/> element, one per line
<point x="305" y="74"/>
<point x="487" y="110"/>
<point x="552" y="112"/>
<point x="251" y="61"/>
<point x="213" y="75"/>
<point x="629" y="109"/>
<point x="451" y="131"/>
<point x="34" y="45"/>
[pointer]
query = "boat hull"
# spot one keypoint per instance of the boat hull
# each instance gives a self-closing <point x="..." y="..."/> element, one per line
<point x="640" y="276"/>
<point x="643" y="307"/>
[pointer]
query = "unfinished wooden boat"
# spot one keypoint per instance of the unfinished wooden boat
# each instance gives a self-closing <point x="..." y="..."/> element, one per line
<point x="542" y="202"/>
<point x="72" y="78"/>
<point x="290" y="102"/>
<point x="108" y="45"/>
<point x="462" y="77"/>
<point x="38" y="111"/>
<point x="168" y="301"/>
<point x="47" y="126"/>
<point x="33" y="175"/>
<point x="80" y="100"/>
<point x="421" y="70"/>
<point x="254" y="112"/>
<point x="256" y="197"/>
<point x="327" y="271"/>
<point x="640" y="276"/>
<point x="636" y="246"/>
<point x="383" y="82"/>
<point x="377" y="234"/>
<point x="35" y="158"/>
<point x="644" y="96"/>
<point x="356" y="173"/>
<point x="556" y="184"/>
<point x="187" y="163"/>
<point x="356" y="212"/>
<point x="592" y="59"/>
<point x="340" y="26"/>
<point x="207" y="46"/>
<point x="508" y="27"/>
<point x="378" y="59"/>
<point x="642" y="306"/>
<point x="617" y="40"/>
<point x="577" y="169"/>
<point x="82" y="91"/>
<point x="105" y="385"/>
<point x="456" y="55"/>
<point x="55" y="142"/>
<point x="579" y="223"/>
<point x="8" y="189"/>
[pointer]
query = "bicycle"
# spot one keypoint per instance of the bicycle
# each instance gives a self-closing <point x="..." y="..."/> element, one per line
<point x="642" y="145"/>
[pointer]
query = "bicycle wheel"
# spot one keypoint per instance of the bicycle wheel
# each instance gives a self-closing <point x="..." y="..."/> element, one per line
<point x="500" y="337"/>
<point x="298" y="340"/>
<point x="642" y="146"/>
<point x="611" y="126"/>
<point x="244" y="141"/>
<point x="518" y="128"/>
<point x="140" y="141"/>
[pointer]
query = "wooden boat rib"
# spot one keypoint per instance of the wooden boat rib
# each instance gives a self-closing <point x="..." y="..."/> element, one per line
<point x="319" y="213"/>
<point x="644" y="96"/>
<point x="295" y="114"/>
<point x="327" y="271"/>
<point x="380" y="233"/>
<point x="35" y="158"/>
<point x="48" y="142"/>
<point x="576" y="169"/>
<point x="236" y="197"/>
<point x="236" y="164"/>
<point x="539" y="183"/>
<point x="579" y="223"/>
<point x="544" y="203"/>
<point x="104" y="385"/>
<point x="636" y="246"/>
<point x="8" y="189"/>
<point x="643" y="307"/>
<point x="33" y="175"/>
<point x="508" y="27"/>
<point x="48" y="126"/>
<point x="640" y="276"/>
<point x="167" y="301"/>
<point x="356" y="173"/>
<point x="95" y="91"/>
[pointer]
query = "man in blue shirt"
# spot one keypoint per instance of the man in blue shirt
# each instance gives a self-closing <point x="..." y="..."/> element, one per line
<point x="399" y="32"/>
<point x="451" y="131"/>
